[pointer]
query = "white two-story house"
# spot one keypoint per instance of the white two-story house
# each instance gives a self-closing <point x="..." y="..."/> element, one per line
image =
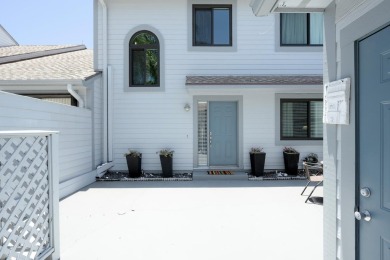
<point x="208" y="79"/>
<point x="356" y="165"/>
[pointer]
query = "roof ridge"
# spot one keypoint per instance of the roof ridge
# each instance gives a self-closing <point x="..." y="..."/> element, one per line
<point x="40" y="54"/>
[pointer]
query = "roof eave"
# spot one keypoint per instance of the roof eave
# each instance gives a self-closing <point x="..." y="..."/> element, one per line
<point x="50" y="82"/>
<point x="41" y="82"/>
<point x="266" y="7"/>
<point x="92" y="77"/>
<point x="263" y="7"/>
<point x="39" y="54"/>
<point x="254" y="86"/>
<point x="232" y="89"/>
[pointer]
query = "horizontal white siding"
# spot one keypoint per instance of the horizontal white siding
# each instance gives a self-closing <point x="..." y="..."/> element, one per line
<point x="74" y="126"/>
<point x="152" y="131"/>
<point x="255" y="40"/>
<point x="151" y="121"/>
<point x="259" y="130"/>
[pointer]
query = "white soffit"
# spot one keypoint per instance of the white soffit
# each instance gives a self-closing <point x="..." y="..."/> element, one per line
<point x="262" y="7"/>
<point x="265" y="7"/>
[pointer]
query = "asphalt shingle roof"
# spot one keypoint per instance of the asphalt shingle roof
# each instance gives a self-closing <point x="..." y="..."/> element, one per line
<point x="61" y="62"/>
<point x="255" y="80"/>
<point x="25" y="49"/>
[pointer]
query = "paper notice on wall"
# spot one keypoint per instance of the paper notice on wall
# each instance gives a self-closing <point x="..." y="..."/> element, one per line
<point x="336" y="102"/>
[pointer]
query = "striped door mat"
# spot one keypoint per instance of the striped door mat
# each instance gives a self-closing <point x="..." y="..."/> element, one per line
<point x="219" y="173"/>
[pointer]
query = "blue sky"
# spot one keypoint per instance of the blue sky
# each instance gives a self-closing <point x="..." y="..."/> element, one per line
<point x="48" y="21"/>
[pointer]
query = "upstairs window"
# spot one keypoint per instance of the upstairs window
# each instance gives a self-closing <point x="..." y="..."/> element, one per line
<point x="212" y="25"/>
<point x="144" y="60"/>
<point x="301" y="29"/>
<point x="301" y="119"/>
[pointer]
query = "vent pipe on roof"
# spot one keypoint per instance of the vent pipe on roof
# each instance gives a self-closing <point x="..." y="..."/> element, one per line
<point x="79" y="99"/>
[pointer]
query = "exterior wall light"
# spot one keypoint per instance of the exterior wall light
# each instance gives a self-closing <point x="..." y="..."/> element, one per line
<point x="187" y="107"/>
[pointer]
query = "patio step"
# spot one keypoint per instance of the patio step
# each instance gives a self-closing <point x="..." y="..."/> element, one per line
<point x="202" y="175"/>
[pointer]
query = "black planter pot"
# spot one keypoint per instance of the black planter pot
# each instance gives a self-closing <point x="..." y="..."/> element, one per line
<point x="166" y="165"/>
<point x="291" y="163"/>
<point x="257" y="163"/>
<point x="134" y="166"/>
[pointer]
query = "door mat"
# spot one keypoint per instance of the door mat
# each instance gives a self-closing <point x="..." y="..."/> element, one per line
<point x="219" y="173"/>
<point x="276" y="176"/>
<point x="124" y="176"/>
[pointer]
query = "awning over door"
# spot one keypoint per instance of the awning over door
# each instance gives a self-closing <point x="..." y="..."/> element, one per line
<point x="254" y="80"/>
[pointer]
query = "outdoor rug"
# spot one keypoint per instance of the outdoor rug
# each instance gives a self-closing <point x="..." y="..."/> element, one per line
<point x="277" y="175"/>
<point x="124" y="176"/>
<point x="219" y="173"/>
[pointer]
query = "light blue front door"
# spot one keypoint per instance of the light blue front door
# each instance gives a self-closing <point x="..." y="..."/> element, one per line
<point x="374" y="145"/>
<point x="223" y="133"/>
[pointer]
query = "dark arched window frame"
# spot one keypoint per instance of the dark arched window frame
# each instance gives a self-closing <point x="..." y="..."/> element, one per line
<point x="143" y="48"/>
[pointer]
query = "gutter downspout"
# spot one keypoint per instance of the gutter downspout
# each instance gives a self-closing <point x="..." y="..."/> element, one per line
<point x="109" y="111"/>
<point x="105" y="85"/>
<point x="79" y="99"/>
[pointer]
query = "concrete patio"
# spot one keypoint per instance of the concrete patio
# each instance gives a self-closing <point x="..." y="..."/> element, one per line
<point x="223" y="217"/>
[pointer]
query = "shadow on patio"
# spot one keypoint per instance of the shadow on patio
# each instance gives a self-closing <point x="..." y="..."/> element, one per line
<point x="215" y="219"/>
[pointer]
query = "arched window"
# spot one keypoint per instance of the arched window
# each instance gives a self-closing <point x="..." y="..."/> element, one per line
<point x="144" y="60"/>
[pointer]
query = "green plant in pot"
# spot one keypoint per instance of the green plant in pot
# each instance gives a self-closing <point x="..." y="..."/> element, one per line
<point x="291" y="159"/>
<point x="166" y="156"/>
<point x="257" y="157"/>
<point x="134" y="160"/>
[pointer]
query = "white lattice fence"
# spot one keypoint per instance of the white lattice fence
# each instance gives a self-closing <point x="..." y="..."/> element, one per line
<point x="26" y="197"/>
